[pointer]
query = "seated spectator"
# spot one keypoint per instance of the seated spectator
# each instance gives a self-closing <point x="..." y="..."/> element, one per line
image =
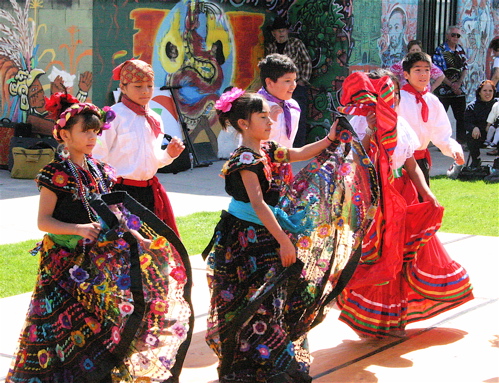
<point x="475" y="119"/>
<point x="493" y="130"/>
<point x="437" y="76"/>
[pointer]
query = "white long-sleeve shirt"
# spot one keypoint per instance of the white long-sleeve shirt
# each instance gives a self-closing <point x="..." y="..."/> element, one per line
<point x="131" y="147"/>
<point x="278" y="133"/>
<point x="437" y="129"/>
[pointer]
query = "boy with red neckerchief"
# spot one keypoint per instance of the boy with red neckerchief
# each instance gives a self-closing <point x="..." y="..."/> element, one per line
<point x="425" y="113"/>
<point x="133" y="143"/>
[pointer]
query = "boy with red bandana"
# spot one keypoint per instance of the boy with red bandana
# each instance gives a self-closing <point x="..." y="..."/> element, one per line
<point x="133" y="143"/>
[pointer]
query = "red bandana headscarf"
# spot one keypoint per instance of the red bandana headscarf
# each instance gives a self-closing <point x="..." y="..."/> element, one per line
<point x="133" y="71"/>
<point x="137" y="71"/>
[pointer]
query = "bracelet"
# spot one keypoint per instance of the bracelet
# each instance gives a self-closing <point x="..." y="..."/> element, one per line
<point x="330" y="140"/>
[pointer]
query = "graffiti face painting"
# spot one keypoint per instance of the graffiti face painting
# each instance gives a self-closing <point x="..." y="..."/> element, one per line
<point x="194" y="52"/>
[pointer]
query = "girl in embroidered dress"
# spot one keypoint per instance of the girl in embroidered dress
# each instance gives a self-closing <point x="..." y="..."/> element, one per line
<point x="91" y="317"/>
<point x="276" y="254"/>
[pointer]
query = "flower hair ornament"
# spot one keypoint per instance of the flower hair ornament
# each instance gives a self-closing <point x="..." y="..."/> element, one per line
<point x="224" y="103"/>
<point x="53" y="105"/>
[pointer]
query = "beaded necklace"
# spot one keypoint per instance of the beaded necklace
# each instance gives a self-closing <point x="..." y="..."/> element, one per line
<point x="95" y="177"/>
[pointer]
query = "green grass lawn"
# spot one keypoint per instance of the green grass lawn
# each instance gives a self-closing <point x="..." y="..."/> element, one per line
<point x="470" y="208"/>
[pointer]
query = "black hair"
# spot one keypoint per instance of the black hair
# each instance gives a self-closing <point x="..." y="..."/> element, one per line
<point x="219" y="53"/>
<point x="274" y="66"/>
<point x="242" y="108"/>
<point x="411" y="43"/>
<point x="412" y="58"/>
<point x="380" y="72"/>
<point x="494" y="44"/>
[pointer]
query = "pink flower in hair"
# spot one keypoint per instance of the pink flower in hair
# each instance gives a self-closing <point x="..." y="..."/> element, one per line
<point x="224" y="103"/>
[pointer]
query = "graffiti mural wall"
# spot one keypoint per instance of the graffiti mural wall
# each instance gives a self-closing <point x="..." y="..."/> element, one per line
<point x="32" y="66"/>
<point x="199" y="47"/>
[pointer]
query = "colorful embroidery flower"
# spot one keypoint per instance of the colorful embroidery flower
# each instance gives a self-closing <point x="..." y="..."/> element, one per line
<point x="43" y="358"/>
<point x="85" y="287"/>
<point x="151" y="340"/>
<point x="304" y="242"/>
<point x="345" y="136"/>
<point x="264" y="351"/>
<point x="145" y="261"/>
<point x="243" y="240"/>
<point x="78" y="274"/>
<point x="245" y="346"/>
<point x="101" y="288"/>
<point x="366" y="161"/>
<point x="158" y="243"/>
<point x="229" y="316"/>
<point x="323" y="264"/>
<point x="115" y="334"/>
<point x="124" y="282"/>
<point x="100" y="261"/>
<point x="93" y="324"/>
<point x="78" y="338"/>
<point x="290" y="349"/>
<point x="87" y="364"/>
<point x="22" y="354"/>
<point x="301" y="186"/>
<point x="246" y="158"/>
<point x="60" y="179"/>
<point x="133" y="222"/>
<point x="312" y="290"/>
<point x="278" y="303"/>
<point x="259" y="327"/>
<point x="281" y="154"/>
<point x="60" y="353"/>
<point x="251" y="234"/>
<point x="252" y="262"/>
<point x="32" y="333"/>
<point x="159" y="307"/>
<point x="126" y="308"/>
<point x="178" y="273"/>
<point x="65" y="320"/>
<point x="324" y="230"/>
<point x="340" y="222"/>
<point x="313" y="167"/>
<point x="165" y="361"/>
<point x="226" y="295"/>
<point x="345" y="169"/>
<point x="269" y="274"/>
<point x="179" y="330"/>
<point x="357" y="199"/>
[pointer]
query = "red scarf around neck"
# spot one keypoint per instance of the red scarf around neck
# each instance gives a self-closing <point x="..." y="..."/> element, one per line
<point x="419" y="99"/>
<point x="142" y="111"/>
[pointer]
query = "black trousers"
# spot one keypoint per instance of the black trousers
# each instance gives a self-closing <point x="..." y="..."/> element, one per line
<point x="300" y="95"/>
<point x="474" y="146"/>
<point x="458" y="105"/>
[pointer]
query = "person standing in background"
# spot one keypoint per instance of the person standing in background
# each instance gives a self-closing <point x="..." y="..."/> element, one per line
<point x="451" y="58"/>
<point x="296" y="51"/>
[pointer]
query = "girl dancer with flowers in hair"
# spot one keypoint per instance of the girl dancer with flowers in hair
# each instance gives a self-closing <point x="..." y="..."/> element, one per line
<point x="104" y="307"/>
<point x="279" y="250"/>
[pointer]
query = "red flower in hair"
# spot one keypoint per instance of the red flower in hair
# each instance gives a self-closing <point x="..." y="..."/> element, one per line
<point x="53" y="104"/>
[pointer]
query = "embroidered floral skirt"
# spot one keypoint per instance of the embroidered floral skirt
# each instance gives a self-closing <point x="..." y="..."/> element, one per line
<point x="114" y="312"/>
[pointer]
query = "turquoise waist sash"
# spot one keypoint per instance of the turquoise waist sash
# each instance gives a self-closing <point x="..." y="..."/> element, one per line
<point x="295" y="223"/>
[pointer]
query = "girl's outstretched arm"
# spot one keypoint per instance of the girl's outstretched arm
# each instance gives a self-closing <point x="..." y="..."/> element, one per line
<point x="47" y="223"/>
<point x="311" y="150"/>
<point x="252" y="186"/>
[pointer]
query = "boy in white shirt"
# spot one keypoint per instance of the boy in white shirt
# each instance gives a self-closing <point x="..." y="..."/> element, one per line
<point x="425" y="113"/>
